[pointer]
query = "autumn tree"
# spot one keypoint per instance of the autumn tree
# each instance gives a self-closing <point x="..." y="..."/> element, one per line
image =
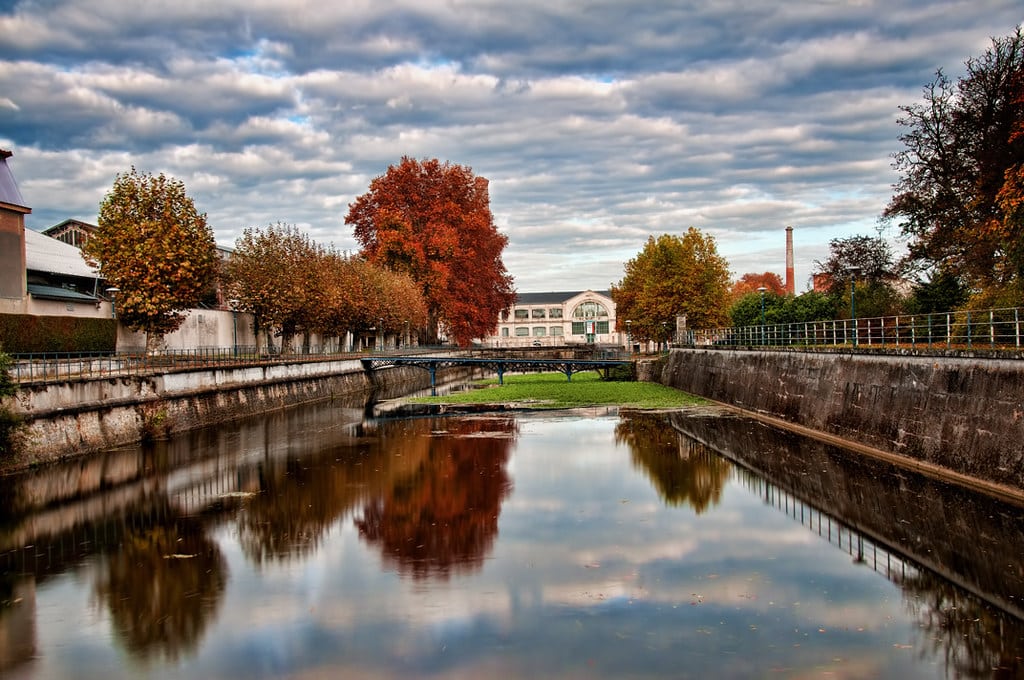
<point x="272" y="274"/>
<point x="961" y="168"/>
<point x="433" y="221"/>
<point x="353" y="294"/>
<point x="751" y="283"/>
<point x="155" y="247"/>
<point x="672" y="276"/>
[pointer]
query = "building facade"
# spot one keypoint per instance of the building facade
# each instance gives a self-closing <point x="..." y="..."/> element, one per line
<point x="558" y="318"/>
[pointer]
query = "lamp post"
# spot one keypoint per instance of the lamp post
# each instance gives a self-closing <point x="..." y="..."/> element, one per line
<point x="113" y="290"/>
<point x="853" y="301"/>
<point x="380" y="332"/>
<point x="233" y="303"/>
<point x="629" y="335"/>
<point x="761" y="290"/>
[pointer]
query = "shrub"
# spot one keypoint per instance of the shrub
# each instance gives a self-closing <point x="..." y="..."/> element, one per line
<point x="27" y="333"/>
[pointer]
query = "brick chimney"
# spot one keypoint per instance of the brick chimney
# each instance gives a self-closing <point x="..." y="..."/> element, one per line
<point x="12" y="233"/>
<point x="790" y="283"/>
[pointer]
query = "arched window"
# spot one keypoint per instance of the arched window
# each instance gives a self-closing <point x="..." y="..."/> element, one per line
<point x="590" y="310"/>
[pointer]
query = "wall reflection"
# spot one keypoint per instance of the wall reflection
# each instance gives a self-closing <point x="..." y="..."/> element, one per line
<point x="965" y="586"/>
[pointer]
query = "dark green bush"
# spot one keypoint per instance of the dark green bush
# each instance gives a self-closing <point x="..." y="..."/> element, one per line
<point x="10" y="423"/>
<point x="26" y="333"/>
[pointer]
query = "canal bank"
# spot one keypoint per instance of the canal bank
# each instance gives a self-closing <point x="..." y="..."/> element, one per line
<point x="959" y="416"/>
<point x="84" y="415"/>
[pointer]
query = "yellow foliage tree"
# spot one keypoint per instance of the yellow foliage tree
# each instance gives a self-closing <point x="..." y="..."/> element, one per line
<point x="156" y="248"/>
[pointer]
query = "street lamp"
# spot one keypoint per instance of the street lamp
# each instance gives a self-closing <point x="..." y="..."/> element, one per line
<point x="113" y="290"/>
<point x="381" y="333"/>
<point x="761" y="290"/>
<point x="629" y="334"/>
<point x="233" y="303"/>
<point x="853" y="301"/>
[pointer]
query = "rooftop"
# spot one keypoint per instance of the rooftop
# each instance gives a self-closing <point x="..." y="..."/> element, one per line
<point x="45" y="254"/>
<point x="9" y="193"/>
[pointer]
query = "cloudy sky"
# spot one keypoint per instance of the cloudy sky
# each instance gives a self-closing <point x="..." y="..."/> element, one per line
<point x="598" y="123"/>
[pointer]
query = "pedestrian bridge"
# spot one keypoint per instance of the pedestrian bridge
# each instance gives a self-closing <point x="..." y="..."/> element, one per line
<point x="499" y="365"/>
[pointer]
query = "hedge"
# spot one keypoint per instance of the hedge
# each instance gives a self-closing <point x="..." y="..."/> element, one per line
<point x="26" y="333"/>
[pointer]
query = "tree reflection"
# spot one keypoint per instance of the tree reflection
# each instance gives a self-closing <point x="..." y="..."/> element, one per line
<point x="681" y="470"/>
<point x="299" y="499"/>
<point x="163" y="587"/>
<point x="973" y="640"/>
<point x="444" y="517"/>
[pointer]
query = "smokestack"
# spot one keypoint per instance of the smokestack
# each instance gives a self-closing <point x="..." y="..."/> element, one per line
<point x="790" y="283"/>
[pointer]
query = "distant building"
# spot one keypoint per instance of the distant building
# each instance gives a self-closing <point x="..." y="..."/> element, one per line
<point x="558" y="318"/>
<point x="73" y="232"/>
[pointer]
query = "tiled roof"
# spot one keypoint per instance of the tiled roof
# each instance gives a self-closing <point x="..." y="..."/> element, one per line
<point x="554" y="298"/>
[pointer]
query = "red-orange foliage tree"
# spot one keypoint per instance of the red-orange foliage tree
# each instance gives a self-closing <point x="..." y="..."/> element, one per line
<point x="433" y="221"/>
<point x="750" y="282"/>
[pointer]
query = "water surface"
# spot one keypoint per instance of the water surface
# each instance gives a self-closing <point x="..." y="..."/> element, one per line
<point x="586" y="544"/>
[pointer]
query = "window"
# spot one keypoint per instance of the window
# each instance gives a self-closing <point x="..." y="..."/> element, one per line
<point x="555" y="330"/>
<point x="589" y="310"/>
<point x="539" y="331"/>
<point x="555" y="313"/>
<point x="522" y="313"/>
<point x="520" y="332"/>
<point x="596" y="327"/>
<point x="538" y="313"/>
<point x="504" y="332"/>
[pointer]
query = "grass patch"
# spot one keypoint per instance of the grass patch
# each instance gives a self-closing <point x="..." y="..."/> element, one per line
<point x="552" y="390"/>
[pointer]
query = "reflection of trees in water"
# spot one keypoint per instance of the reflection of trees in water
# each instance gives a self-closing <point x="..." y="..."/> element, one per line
<point x="163" y="587"/>
<point x="299" y="499"/>
<point x="444" y="518"/>
<point x="682" y="470"/>
<point x="973" y="639"/>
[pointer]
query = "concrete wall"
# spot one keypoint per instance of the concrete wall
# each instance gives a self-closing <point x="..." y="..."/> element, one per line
<point x="964" y="414"/>
<point x="86" y="415"/>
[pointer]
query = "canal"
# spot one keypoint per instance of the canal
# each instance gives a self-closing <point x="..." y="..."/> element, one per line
<point x="576" y="544"/>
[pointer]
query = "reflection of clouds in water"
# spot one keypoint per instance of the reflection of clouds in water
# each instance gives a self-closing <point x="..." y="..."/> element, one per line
<point x="588" y="572"/>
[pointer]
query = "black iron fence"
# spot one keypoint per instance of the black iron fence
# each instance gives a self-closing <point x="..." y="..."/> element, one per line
<point x="63" y="366"/>
<point x="975" y="329"/>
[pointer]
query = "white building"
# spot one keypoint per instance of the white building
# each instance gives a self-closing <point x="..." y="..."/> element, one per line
<point x="558" y="318"/>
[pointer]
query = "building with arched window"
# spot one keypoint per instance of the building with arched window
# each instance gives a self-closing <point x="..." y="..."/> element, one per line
<point x="559" y="318"/>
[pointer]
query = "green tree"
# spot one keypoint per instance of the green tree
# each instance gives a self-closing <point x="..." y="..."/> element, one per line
<point x="962" y="148"/>
<point x="943" y="292"/>
<point x="155" y="247"/>
<point x="803" y="308"/>
<point x="673" y="276"/>
<point x="868" y="263"/>
<point x="433" y="221"/>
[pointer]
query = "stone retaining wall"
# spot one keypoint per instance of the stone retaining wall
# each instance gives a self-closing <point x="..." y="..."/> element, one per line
<point x="85" y="415"/>
<point x="959" y="413"/>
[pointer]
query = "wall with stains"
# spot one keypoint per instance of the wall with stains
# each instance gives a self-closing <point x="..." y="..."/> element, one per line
<point x="963" y="413"/>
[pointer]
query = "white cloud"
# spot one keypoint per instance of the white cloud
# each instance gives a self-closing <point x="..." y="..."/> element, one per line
<point x="597" y="124"/>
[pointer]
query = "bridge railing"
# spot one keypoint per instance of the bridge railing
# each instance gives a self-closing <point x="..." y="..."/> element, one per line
<point x="973" y="329"/>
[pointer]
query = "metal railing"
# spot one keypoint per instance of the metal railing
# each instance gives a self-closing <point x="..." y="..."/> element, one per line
<point x="54" y="366"/>
<point x="973" y="329"/>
